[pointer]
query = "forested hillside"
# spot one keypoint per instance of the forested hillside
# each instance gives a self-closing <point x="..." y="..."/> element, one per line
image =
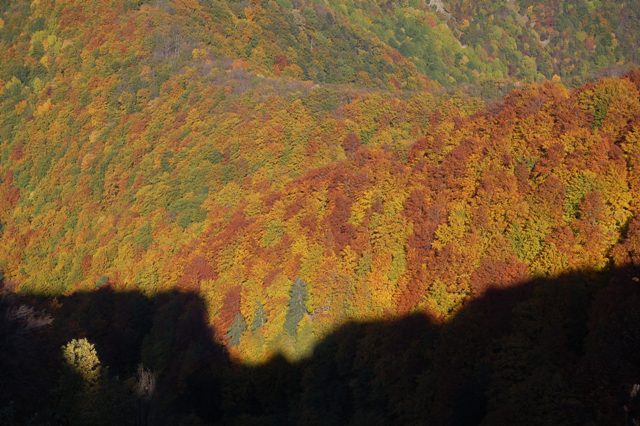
<point x="296" y="165"/>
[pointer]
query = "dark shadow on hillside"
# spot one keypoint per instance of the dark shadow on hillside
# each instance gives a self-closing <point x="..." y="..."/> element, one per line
<point x="560" y="351"/>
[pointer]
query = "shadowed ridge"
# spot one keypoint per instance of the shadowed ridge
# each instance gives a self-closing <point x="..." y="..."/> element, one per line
<point x="548" y="351"/>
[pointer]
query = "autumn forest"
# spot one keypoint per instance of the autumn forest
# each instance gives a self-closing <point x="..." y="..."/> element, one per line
<point x="322" y="212"/>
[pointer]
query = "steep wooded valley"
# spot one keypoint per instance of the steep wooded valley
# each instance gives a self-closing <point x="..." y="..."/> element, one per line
<point x="319" y="212"/>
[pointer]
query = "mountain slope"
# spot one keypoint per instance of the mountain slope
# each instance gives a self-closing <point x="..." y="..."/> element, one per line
<point x="298" y="164"/>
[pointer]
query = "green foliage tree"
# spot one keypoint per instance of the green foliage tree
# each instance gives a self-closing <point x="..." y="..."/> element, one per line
<point x="297" y="306"/>
<point x="237" y="329"/>
<point x="260" y="317"/>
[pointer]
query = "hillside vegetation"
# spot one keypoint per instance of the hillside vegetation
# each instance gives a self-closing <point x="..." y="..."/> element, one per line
<point x="253" y="153"/>
<point x="299" y="164"/>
